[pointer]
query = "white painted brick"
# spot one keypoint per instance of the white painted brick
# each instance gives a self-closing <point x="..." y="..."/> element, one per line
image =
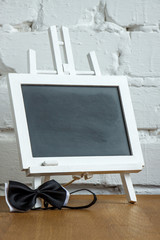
<point x="96" y="18"/>
<point x="151" y="82"/>
<point x="18" y="11"/>
<point x="9" y="162"/>
<point x="46" y="13"/>
<point x="135" y="81"/>
<point x="67" y="13"/>
<point x="146" y="104"/>
<point x="150" y="174"/>
<point x="134" y="12"/>
<point x="125" y="13"/>
<point x="144" y="82"/>
<point x="145" y="55"/>
<point x="5" y="111"/>
<point x="107" y="45"/>
<point x="149" y="136"/>
<point x="13" y="51"/>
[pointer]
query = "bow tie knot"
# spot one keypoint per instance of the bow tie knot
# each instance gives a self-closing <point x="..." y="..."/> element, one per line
<point x="38" y="191"/>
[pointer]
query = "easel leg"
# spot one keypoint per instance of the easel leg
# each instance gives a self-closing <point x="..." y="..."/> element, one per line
<point x="128" y="187"/>
<point x="36" y="183"/>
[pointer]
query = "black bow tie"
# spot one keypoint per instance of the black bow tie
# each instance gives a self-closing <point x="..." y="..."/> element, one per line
<point x="22" y="198"/>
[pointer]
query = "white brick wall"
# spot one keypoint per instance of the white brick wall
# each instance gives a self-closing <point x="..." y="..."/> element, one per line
<point x="126" y="37"/>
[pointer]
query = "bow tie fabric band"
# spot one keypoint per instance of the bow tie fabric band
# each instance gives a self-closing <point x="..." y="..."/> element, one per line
<point x="21" y="198"/>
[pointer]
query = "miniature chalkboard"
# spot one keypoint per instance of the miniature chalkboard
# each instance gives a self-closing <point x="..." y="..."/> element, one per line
<point x="82" y="123"/>
<point x="75" y="121"/>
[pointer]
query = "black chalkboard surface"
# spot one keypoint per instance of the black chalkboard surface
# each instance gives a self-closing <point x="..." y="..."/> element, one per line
<point x="75" y="121"/>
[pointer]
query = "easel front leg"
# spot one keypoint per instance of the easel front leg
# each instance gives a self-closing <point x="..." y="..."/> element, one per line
<point x="36" y="183"/>
<point x="128" y="187"/>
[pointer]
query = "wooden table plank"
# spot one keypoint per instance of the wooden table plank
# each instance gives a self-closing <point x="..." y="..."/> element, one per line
<point x="110" y="218"/>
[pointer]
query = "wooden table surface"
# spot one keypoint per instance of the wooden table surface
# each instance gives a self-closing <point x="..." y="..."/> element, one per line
<point x="110" y="218"/>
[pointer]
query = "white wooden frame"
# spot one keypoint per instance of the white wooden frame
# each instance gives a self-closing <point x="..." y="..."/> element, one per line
<point x="74" y="165"/>
<point x="126" y="165"/>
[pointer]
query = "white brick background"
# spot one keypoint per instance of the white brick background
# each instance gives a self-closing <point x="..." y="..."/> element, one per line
<point x="126" y="37"/>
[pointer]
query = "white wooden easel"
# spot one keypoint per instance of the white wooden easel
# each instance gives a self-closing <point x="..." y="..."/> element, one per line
<point x="69" y="68"/>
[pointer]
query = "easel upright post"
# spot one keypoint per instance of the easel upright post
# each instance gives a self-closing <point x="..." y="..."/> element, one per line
<point x="93" y="62"/>
<point x="32" y="68"/>
<point x="31" y="57"/>
<point x="70" y="66"/>
<point x="54" y="44"/>
<point x="37" y="181"/>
